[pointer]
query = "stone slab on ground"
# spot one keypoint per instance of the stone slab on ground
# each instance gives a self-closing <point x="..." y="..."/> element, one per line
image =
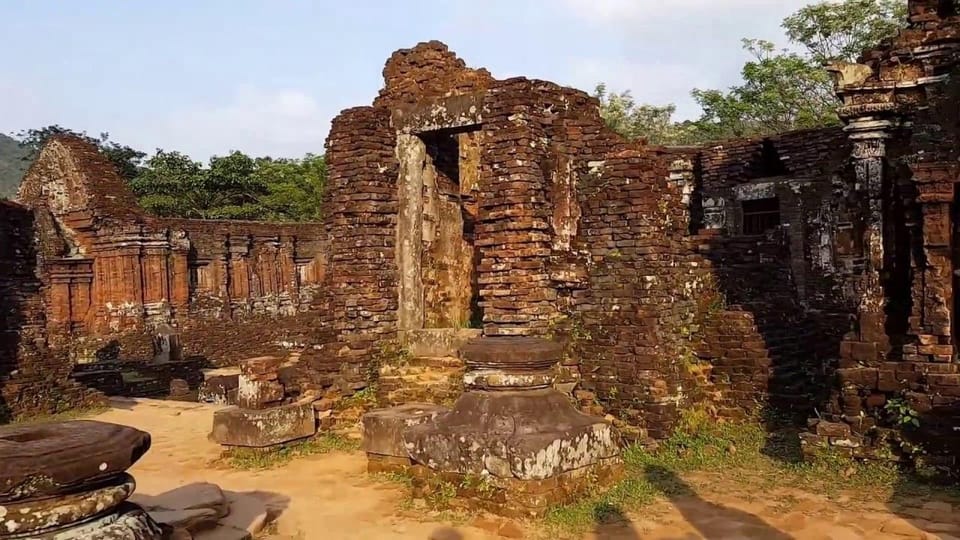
<point x="192" y="496"/>
<point x="260" y="428"/>
<point x="191" y="520"/>
<point x="247" y="513"/>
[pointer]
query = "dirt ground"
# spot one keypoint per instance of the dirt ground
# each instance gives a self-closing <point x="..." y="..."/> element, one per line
<point x="330" y="497"/>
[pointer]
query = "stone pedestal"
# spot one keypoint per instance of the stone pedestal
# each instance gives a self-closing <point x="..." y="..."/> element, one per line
<point x="512" y="444"/>
<point x="262" y="417"/>
<point x="67" y="481"/>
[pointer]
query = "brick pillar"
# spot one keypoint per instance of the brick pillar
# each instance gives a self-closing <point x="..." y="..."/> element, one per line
<point x="179" y="272"/>
<point x="931" y="321"/>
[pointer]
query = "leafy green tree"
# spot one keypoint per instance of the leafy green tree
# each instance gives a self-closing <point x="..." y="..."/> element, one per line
<point x="784" y="90"/>
<point x="640" y="121"/>
<point x="843" y="30"/>
<point x="781" y="90"/>
<point x="294" y="187"/>
<point x="127" y="160"/>
<point x="170" y="186"/>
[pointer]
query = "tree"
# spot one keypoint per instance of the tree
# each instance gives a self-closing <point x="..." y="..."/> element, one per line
<point x="294" y="187"/>
<point x="785" y="90"/>
<point x="126" y="159"/>
<point x="234" y="186"/>
<point x="654" y="123"/>
<point x="843" y="30"/>
<point x="782" y="90"/>
<point x="170" y="186"/>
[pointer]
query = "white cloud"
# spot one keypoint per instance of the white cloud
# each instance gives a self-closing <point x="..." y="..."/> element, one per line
<point x="632" y="11"/>
<point x="257" y="121"/>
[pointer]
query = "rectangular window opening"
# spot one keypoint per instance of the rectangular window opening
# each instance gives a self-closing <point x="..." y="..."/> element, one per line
<point x="760" y="215"/>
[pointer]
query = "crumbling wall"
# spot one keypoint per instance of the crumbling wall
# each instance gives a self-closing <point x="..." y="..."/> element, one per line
<point x="34" y="379"/>
<point x="359" y="300"/>
<point x="115" y="273"/>
<point x="900" y="104"/>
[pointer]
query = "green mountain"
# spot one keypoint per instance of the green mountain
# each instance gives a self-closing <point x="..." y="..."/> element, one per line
<point x="13" y="163"/>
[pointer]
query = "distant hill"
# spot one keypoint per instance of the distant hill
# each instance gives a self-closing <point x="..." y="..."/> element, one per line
<point x="13" y="164"/>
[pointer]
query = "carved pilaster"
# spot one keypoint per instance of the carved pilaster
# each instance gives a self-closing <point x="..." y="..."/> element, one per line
<point x="869" y="135"/>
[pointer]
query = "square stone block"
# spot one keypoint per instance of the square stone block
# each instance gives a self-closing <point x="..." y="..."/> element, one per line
<point x="383" y="428"/>
<point x="260" y="428"/>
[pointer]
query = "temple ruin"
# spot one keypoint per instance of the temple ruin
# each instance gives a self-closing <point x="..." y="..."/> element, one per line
<point x="810" y="273"/>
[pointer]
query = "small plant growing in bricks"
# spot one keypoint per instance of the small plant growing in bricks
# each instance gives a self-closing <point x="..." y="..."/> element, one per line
<point x="391" y="353"/>
<point x="901" y="413"/>
<point x="362" y="399"/>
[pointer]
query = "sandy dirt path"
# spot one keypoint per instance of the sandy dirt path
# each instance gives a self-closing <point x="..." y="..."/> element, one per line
<point x="330" y="497"/>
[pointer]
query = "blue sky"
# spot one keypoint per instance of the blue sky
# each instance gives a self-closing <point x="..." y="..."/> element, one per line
<point x="266" y="77"/>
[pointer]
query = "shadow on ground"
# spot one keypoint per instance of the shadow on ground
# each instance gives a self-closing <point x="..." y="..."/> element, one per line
<point x="711" y="520"/>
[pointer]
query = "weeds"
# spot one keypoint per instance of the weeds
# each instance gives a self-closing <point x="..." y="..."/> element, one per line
<point x="728" y="452"/>
<point x="71" y="414"/>
<point x="364" y="399"/>
<point x="257" y="459"/>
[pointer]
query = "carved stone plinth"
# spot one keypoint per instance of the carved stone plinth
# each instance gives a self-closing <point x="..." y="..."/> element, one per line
<point x="66" y="481"/>
<point x="521" y="441"/>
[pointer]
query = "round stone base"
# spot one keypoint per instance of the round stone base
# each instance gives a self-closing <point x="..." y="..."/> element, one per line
<point x="127" y="522"/>
<point x="52" y="512"/>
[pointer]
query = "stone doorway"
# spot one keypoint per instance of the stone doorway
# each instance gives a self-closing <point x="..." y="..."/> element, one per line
<point x="437" y="255"/>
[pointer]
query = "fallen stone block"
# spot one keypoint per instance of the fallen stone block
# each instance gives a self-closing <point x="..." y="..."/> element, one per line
<point x="191" y="520"/>
<point x="260" y="428"/>
<point x="189" y="497"/>
<point x="382" y="429"/>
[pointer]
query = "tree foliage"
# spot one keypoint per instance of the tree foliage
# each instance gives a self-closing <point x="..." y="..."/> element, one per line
<point x="126" y="159"/>
<point x="781" y="90"/>
<point x="640" y="121"/>
<point x="843" y="30"/>
<point x="235" y="186"/>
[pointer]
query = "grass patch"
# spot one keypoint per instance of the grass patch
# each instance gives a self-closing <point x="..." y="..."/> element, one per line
<point x="258" y="460"/>
<point x="737" y="455"/>
<point x="63" y="416"/>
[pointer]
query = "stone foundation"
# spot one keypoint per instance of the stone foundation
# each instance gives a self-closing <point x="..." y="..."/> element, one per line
<point x="264" y="416"/>
<point x="509" y="497"/>
<point x="511" y="444"/>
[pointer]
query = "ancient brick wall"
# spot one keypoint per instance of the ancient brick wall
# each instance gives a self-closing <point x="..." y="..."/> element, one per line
<point x="34" y="379"/>
<point x="900" y="105"/>
<point x="358" y="304"/>
<point x="114" y="273"/>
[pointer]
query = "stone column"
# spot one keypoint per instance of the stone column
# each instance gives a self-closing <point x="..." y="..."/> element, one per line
<point x="869" y="135"/>
<point x="412" y="155"/>
<point x="931" y="320"/>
